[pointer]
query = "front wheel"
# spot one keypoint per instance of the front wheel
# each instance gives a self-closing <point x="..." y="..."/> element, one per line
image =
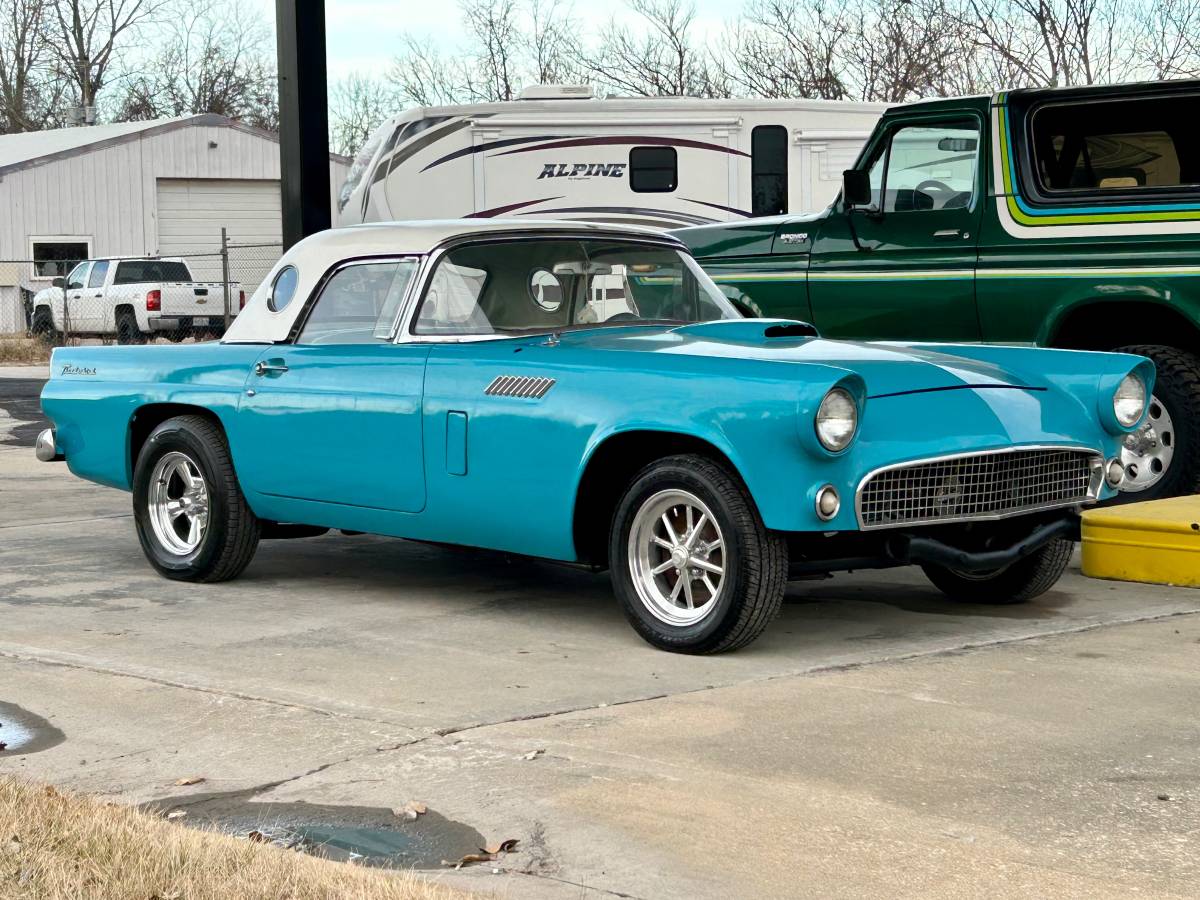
<point x="693" y="566"/>
<point x="192" y="520"/>
<point x="1023" y="580"/>
<point x="1162" y="458"/>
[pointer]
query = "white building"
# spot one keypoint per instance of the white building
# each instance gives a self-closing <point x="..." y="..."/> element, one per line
<point x="165" y="187"/>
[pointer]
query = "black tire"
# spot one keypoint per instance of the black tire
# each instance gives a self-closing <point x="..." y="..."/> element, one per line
<point x="1023" y="580"/>
<point x="231" y="536"/>
<point x="755" y="559"/>
<point x="43" y="328"/>
<point x="1177" y="388"/>
<point x="127" y="328"/>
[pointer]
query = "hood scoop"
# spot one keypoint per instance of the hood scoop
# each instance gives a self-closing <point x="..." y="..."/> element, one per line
<point x="749" y="331"/>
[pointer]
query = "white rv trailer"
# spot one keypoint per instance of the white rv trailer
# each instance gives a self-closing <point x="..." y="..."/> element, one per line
<point x="557" y="152"/>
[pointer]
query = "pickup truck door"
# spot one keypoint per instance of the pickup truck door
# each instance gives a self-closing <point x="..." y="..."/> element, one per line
<point x="335" y="416"/>
<point x="74" y="306"/>
<point x="92" y="305"/>
<point x="905" y="268"/>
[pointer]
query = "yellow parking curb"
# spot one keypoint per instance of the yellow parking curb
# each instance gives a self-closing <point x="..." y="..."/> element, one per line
<point x="1157" y="542"/>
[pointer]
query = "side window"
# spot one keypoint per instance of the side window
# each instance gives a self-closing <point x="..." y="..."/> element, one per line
<point x="99" y="271"/>
<point x="283" y="289"/>
<point x="78" y="275"/>
<point x="451" y="304"/>
<point x="358" y="305"/>
<point x="653" y="170"/>
<point x="927" y="167"/>
<point x="768" y="170"/>
<point x="1116" y="146"/>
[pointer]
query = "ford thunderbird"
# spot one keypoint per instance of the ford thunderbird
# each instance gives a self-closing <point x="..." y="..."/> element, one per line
<point x="585" y="394"/>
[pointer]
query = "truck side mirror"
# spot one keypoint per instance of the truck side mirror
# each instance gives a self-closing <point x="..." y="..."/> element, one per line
<point x="59" y="282"/>
<point x="856" y="188"/>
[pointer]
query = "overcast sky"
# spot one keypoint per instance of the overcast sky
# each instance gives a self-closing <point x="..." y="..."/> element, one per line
<point x="361" y="34"/>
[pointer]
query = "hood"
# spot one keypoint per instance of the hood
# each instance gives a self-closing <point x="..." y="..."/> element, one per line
<point x="755" y="237"/>
<point x="887" y="369"/>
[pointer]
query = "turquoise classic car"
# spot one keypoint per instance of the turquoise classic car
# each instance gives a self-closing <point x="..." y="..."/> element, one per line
<point x="586" y="394"/>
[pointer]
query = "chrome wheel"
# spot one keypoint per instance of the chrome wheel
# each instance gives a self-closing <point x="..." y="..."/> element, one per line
<point x="1146" y="454"/>
<point x="178" y="503"/>
<point x="677" y="557"/>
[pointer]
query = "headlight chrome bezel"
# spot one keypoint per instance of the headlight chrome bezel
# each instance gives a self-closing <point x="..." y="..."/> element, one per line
<point x="1130" y="391"/>
<point x="838" y="394"/>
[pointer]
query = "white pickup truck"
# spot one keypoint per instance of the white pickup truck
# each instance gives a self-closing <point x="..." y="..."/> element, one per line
<point x="132" y="299"/>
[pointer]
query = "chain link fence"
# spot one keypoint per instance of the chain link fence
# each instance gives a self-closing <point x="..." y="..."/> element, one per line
<point x="185" y="296"/>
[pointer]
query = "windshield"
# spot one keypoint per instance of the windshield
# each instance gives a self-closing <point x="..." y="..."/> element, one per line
<point x="515" y="287"/>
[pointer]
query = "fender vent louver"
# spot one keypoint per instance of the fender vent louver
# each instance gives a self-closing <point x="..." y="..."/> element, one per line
<point x="791" y="329"/>
<point x="532" y="387"/>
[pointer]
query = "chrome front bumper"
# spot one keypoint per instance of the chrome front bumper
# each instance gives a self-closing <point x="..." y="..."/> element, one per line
<point x="46" y="447"/>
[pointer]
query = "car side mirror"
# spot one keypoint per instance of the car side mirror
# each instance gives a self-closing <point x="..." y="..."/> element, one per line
<point x="59" y="282"/>
<point x="856" y="188"/>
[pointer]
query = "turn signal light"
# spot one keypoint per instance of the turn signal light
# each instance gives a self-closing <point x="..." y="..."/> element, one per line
<point x="153" y="301"/>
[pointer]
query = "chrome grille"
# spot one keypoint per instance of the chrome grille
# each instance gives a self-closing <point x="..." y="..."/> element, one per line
<point x="978" y="486"/>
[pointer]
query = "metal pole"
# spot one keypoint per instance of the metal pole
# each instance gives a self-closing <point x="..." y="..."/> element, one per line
<point x="225" y="273"/>
<point x="303" y="118"/>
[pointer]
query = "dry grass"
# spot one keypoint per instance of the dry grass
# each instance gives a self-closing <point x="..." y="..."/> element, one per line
<point x="60" y="845"/>
<point x="22" y="350"/>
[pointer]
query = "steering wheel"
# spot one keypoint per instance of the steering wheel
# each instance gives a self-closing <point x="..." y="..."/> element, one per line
<point x="622" y="317"/>
<point x="933" y="183"/>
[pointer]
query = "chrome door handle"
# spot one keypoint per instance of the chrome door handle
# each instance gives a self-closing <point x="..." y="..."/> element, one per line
<point x="948" y="233"/>
<point x="262" y="368"/>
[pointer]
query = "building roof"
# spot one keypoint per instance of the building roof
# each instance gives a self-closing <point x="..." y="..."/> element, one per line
<point x="34" y="148"/>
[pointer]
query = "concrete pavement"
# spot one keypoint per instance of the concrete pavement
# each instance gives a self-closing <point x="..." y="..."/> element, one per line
<point x="855" y="750"/>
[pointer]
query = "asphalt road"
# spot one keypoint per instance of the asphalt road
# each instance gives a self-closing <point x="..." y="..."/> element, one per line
<point x="877" y="740"/>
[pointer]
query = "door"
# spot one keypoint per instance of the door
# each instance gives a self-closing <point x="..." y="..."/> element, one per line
<point x="92" y="307"/>
<point x="74" y="313"/>
<point x="904" y="267"/>
<point x="336" y="416"/>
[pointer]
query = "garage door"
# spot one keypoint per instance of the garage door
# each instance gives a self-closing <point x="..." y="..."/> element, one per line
<point x="192" y="211"/>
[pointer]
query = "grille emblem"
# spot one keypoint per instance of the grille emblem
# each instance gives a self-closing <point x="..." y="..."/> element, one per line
<point x="532" y="387"/>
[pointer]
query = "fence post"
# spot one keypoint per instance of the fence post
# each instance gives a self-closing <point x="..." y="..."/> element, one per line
<point x="225" y="273"/>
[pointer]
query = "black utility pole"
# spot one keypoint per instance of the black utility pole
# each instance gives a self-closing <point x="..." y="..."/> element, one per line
<point x="303" y="118"/>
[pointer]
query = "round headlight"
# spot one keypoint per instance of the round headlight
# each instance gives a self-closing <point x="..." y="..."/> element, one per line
<point x="837" y="420"/>
<point x="1129" y="402"/>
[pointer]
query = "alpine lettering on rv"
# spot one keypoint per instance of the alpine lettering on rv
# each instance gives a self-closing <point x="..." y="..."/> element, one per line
<point x="582" y="170"/>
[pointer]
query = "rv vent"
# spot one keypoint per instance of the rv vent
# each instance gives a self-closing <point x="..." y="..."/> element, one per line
<point x="558" y="92"/>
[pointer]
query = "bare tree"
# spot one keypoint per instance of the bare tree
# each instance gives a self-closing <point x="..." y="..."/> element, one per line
<point x="85" y="36"/>
<point x="28" y="94"/>
<point x="423" y="76"/>
<point x="789" y="48"/>
<point x="358" y="105"/>
<point x="552" y="43"/>
<point x="496" y="38"/>
<point x="213" y="57"/>
<point x="1167" y="37"/>
<point x="659" y="59"/>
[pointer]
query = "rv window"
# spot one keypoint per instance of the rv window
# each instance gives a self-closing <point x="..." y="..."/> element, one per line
<point x="653" y="169"/>
<point x="1116" y="146"/>
<point x="768" y="170"/>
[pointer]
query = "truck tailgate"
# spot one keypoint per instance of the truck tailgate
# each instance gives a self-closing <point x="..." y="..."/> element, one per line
<point x="194" y="300"/>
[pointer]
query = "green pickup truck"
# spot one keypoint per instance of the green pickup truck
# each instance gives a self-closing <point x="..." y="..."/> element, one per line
<point x="1062" y="218"/>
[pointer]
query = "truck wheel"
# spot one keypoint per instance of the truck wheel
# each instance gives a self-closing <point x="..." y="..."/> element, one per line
<point x="192" y="519"/>
<point x="127" y="328"/>
<point x="43" y="328"/>
<point x="693" y="566"/>
<point x="1163" y="458"/>
<point x="1023" y="580"/>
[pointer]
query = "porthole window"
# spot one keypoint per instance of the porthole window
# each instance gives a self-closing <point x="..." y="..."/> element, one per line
<point x="545" y="289"/>
<point x="283" y="289"/>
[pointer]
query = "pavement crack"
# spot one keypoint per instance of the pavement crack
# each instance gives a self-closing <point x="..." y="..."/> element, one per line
<point x="549" y="714"/>
<point x="579" y="884"/>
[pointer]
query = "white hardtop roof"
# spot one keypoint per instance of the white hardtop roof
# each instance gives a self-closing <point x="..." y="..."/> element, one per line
<point x="318" y="253"/>
<point x="422" y="236"/>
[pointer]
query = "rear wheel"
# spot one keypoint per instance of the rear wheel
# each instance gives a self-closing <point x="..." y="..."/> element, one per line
<point x="693" y="566"/>
<point x="192" y="520"/>
<point x="127" y="328"/>
<point x="1023" y="580"/>
<point x="43" y="327"/>
<point x="1162" y="459"/>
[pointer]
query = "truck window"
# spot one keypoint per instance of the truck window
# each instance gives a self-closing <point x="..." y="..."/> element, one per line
<point x="926" y="166"/>
<point x="99" y="270"/>
<point x="136" y="271"/>
<point x="1116" y="146"/>
<point x="768" y="170"/>
<point x="78" y="274"/>
<point x="653" y="170"/>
